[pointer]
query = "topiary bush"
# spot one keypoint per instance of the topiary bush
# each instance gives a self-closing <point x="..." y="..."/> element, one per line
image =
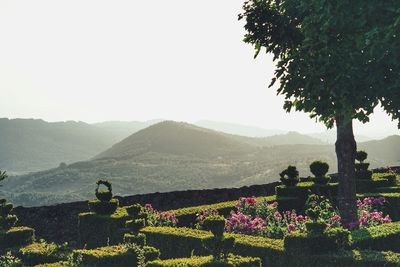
<point x="103" y="207"/>
<point x="104" y="195"/>
<point x="134" y="210"/>
<point x="290" y="176"/>
<point x="320" y="169"/>
<point x="361" y="167"/>
<point x="16" y="237"/>
<point x="43" y="252"/>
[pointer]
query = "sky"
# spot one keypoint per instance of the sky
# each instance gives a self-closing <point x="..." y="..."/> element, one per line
<point x="132" y="60"/>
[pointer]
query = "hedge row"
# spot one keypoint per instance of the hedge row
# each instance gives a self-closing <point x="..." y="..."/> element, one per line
<point x="41" y="252"/>
<point x="187" y="216"/>
<point x="184" y="242"/>
<point x="383" y="237"/>
<point x="16" y="237"/>
<point x="107" y="256"/>
<point x="232" y="261"/>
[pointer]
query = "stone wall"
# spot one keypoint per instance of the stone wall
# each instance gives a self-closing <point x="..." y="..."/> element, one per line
<point x="59" y="223"/>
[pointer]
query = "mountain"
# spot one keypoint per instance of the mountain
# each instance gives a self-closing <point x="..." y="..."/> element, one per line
<point x="28" y="145"/>
<point x="382" y="152"/>
<point x="329" y="136"/>
<point x="238" y="129"/>
<point x="176" y="138"/>
<point x="172" y="156"/>
<point x="123" y="129"/>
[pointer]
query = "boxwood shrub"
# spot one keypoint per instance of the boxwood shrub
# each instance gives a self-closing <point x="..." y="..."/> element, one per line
<point x="16" y="237"/>
<point x="107" y="256"/>
<point x="234" y="261"/>
<point x="184" y="242"/>
<point x="382" y="237"/>
<point x="42" y="252"/>
<point x="100" y="230"/>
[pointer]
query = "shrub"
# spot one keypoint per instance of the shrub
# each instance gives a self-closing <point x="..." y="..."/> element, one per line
<point x="383" y="237"/>
<point x="328" y="241"/>
<point x="5" y="209"/>
<point x="290" y="176"/>
<point x="215" y="224"/>
<point x="134" y="210"/>
<point x="135" y="225"/>
<point x="232" y="260"/>
<point x="97" y="230"/>
<point x="42" y="252"/>
<point x="104" y="195"/>
<point x="202" y="215"/>
<point x="103" y="207"/>
<point x="120" y="256"/>
<point x="361" y="156"/>
<point x="16" y="237"/>
<point x="157" y="218"/>
<point x="9" y="260"/>
<point x="7" y="222"/>
<point x="139" y="239"/>
<point x="319" y="168"/>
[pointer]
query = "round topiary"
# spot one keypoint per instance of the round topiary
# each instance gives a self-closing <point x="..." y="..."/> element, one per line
<point x="290" y="176"/>
<point x="361" y="156"/>
<point x="104" y="195"/>
<point x="134" y="210"/>
<point x="319" y="168"/>
<point x="215" y="224"/>
<point x="361" y="166"/>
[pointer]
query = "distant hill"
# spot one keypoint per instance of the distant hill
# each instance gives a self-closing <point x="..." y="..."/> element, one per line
<point x="123" y="129"/>
<point x="176" y="138"/>
<point x="238" y="129"/>
<point x="29" y="145"/>
<point x="172" y="156"/>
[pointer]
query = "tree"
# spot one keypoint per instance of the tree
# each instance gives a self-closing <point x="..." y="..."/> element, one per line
<point x="329" y="65"/>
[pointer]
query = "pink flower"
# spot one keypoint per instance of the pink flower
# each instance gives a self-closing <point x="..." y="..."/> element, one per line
<point x="148" y="207"/>
<point x="291" y="227"/>
<point x="387" y="219"/>
<point x="277" y="215"/>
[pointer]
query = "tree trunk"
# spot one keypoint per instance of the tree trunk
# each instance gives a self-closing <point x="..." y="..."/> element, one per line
<point x="346" y="152"/>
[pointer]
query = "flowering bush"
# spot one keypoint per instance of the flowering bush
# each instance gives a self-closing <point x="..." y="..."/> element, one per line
<point x="369" y="214"/>
<point x="157" y="218"/>
<point x="261" y="218"/>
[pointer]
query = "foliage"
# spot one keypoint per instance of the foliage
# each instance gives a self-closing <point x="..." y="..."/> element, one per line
<point x="290" y="176"/>
<point x="320" y="209"/>
<point x="103" y="207"/>
<point x="104" y="195"/>
<point x="202" y="216"/>
<point x="382" y="237"/>
<point x="368" y="213"/>
<point x="157" y="218"/>
<point x="234" y="261"/>
<point x="9" y="260"/>
<point x="319" y="168"/>
<point x="361" y="156"/>
<point x="43" y="252"/>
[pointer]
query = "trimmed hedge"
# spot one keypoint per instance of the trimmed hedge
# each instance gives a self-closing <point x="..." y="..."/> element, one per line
<point x="54" y="264"/>
<point x="16" y="237"/>
<point x="41" y="252"/>
<point x="234" y="261"/>
<point x="187" y="216"/>
<point x="183" y="242"/>
<point x="383" y="237"/>
<point x="303" y="189"/>
<point x="101" y="230"/>
<point x="103" y="207"/>
<point x="107" y="256"/>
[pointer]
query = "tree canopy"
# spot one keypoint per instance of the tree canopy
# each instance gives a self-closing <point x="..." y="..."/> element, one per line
<point x="334" y="58"/>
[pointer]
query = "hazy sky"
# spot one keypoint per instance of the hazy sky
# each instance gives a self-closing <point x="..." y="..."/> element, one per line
<point x="139" y="60"/>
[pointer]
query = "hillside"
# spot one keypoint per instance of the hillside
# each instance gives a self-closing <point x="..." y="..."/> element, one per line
<point x="175" y="156"/>
<point x="28" y="145"/>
